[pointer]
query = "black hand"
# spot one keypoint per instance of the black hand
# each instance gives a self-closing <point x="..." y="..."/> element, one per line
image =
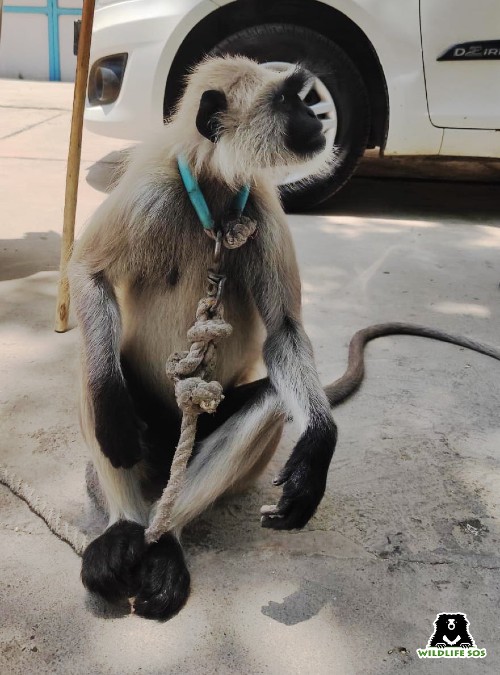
<point x="304" y="481"/>
<point x="118" y="430"/>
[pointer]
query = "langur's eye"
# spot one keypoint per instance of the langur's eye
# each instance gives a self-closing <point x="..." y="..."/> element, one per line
<point x="282" y="98"/>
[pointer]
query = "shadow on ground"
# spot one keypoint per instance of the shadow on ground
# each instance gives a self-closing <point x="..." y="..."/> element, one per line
<point x="477" y="203"/>
<point x="105" y="173"/>
<point x="35" y="252"/>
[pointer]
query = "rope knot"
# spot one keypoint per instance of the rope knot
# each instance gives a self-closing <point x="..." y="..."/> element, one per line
<point x="205" y="310"/>
<point x="238" y="231"/>
<point x="196" y="396"/>
<point x="182" y="364"/>
<point x="206" y="331"/>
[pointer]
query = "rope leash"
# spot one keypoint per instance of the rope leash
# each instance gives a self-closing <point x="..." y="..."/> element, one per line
<point x="195" y="395"/>
<point x="51" y="517"/>
<point x="190" y="371"/>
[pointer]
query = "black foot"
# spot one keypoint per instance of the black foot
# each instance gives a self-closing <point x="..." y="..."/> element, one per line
<point x="164" y="580"/>
<point x="111" y="563"/>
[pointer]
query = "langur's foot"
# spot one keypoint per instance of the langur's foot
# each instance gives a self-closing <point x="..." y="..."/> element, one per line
<point x="164" y="580"/>
<point x="111" y="563"/>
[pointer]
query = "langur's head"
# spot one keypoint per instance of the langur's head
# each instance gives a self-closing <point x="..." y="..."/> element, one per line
<point x="237" y="118"/>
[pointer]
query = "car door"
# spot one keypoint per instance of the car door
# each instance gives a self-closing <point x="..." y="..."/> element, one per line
<point x="461" y="53"/>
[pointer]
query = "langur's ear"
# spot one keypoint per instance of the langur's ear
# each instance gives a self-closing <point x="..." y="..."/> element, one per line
<point x="211" y="104"/>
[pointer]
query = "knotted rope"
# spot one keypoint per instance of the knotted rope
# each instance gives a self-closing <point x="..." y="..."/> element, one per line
<point x="236" y="232"/>
<point x="190" y="371"/>
<point x="195" y="395"/>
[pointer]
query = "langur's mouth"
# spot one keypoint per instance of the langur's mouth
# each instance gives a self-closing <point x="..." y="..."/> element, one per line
<point x="320" y="140"/>
<point x="315" y="144"/>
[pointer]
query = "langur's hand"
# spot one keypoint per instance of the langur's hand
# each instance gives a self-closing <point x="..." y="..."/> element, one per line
<point x="125" y="449"/>
<point x="119" y="431"/>
<point x="304" y="480"/>
<point x="302" y="493"/>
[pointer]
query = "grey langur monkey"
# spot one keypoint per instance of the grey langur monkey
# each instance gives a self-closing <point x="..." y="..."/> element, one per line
<point x="136" y="276"/>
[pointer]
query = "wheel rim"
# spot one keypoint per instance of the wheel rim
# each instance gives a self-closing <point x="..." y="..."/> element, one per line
<point x="321" y="102"/>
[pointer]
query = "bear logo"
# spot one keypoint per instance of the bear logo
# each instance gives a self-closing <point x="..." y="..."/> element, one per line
<point x="451" y="630"/>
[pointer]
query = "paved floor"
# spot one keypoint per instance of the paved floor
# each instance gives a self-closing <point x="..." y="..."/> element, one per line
<point x="410" y="523"/>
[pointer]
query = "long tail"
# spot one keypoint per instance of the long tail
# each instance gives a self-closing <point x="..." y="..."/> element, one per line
<point x="336" y="392"/>
<point x="346" y="385"/>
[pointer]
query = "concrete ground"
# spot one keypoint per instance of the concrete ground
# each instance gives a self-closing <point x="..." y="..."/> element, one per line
<point x="409" y="526"/>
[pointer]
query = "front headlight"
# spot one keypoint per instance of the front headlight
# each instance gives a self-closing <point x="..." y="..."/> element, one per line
<point x="105" y="79"/>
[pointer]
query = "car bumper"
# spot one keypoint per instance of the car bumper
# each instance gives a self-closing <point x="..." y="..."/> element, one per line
<point x="150" y="33"/>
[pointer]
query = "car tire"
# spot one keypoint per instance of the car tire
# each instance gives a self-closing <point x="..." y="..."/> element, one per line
<point x="294" y="44"/>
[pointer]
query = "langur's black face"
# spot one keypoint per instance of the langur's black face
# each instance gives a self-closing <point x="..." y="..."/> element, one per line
<point x="258" y="119"/>
<point x="303" y="130"/>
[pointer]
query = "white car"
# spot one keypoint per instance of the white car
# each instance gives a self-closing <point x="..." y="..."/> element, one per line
<point x="411" y="77"/>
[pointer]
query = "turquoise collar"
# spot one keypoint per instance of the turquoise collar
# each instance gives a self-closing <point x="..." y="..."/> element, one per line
<point x="198" y="200"/>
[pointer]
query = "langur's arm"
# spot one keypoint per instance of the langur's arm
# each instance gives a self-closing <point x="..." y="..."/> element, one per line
<point x="96" y="306"/>
<point x="290" y="363"/>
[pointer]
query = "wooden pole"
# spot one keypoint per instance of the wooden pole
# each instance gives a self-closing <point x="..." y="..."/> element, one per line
<point x="73" y="168"/>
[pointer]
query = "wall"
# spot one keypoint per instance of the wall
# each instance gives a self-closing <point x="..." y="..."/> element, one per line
<point x="37" y="39"/>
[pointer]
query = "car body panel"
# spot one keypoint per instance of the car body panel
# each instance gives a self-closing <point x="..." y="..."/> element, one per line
<point x="461" y="93"/>
<point x="470" y="143"/>
<point x="393" y="28"/>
